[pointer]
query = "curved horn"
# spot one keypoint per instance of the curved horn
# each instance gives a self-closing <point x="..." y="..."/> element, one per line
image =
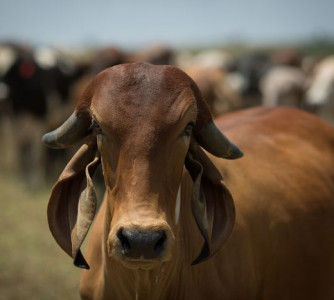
<point x="212" y="140"/>
<point x="74" y="129"/>
<point x="207" y="133"/>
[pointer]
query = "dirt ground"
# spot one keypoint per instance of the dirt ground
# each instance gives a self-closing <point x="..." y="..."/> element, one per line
<point x="32" y="265"/>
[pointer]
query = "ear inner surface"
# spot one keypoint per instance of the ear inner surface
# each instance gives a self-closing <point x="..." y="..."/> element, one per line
<point x="72" y="204"/>
<point x="86" y="213"/>
<point x="198" y="204"/>
<point x="212" y="203"/>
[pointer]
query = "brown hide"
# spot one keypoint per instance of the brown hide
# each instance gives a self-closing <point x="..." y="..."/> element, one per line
<point x="282" y="211"/>
<point x="283" y="240"/>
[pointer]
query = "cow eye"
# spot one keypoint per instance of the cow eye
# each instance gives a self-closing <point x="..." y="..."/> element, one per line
<point x="188" y="129"/>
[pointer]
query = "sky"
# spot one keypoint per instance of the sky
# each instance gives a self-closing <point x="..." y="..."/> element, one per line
<point x="130" y="23"/>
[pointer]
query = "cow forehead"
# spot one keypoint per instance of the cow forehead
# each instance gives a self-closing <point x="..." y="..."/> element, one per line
<point x="133" y="94"/>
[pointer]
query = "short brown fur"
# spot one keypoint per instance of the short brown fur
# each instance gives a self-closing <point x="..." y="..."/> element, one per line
<point x="282" y="243"/>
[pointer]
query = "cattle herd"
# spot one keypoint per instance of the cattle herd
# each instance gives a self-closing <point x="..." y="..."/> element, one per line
<point x="178" y="221"/>
<point x="39" y="86"/>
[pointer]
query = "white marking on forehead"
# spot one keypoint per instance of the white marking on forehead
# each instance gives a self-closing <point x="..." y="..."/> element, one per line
<point x="178" y="205"/>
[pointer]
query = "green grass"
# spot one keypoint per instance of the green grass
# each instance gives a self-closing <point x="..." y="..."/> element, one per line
<point x="32" y="265"/>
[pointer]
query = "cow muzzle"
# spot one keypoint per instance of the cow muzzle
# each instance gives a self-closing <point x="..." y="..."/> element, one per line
<point x="137" y="244"/>
<point x="141" y="246"/>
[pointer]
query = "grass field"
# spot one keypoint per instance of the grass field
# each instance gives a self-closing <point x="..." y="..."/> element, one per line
<point x="32" y="266"/>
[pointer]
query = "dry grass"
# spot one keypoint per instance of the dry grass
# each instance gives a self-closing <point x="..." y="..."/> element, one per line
<point x="32" y="266"/>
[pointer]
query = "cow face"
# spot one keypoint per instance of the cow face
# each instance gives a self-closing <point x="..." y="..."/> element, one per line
<point x="143" y="136"/>
<point x="143" y="119"/>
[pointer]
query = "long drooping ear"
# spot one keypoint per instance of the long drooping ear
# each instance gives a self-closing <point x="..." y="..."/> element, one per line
<point x="72" y="202"/>
<point x="212" y="203"/>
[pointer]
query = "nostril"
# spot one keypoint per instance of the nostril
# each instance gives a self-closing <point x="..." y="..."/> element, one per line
<point x="138" y="244"/>
<point x="159" y="245"/>
<point x="126" y="247"/>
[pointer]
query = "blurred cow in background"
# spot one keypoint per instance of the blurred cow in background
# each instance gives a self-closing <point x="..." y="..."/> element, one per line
<point x="7" y="57"/>
<point x="106" y="57"/>
<point x="219" y="95"/>
<point x="250" y="67"/>
<point x="320" y="95"/>
<point x="156" y="54"/>
<point x="26" y="108"/>
<point x="98" y="60"/>
<point x="34" y="81"/>
<point x="270" y="79"/>
<point x="287" y="57"/>
<point x="283" y="85"/>
<point x="209" y="68"/>
<point x="25" y="81"/>
<point x="214" y="58"/>
<point x="40" y="85"/>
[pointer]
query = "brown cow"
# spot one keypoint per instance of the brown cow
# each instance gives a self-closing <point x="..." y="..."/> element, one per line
<point x="160" y="230"/>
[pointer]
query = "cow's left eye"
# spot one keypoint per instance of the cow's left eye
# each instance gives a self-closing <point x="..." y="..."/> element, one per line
<point x="188" y="129"/>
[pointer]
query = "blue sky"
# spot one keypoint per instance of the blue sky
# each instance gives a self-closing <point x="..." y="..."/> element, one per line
<point x="175" y="22"/>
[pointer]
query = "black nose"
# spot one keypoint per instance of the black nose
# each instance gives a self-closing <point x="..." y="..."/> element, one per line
<point x="142" y="244"/>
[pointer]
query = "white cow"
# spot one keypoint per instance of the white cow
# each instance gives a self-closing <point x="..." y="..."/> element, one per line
<point x="283" y="85"/>
<point x="320" y="94"/>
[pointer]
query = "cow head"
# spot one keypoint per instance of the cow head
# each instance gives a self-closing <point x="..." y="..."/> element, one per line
<point x="145" y="122"/>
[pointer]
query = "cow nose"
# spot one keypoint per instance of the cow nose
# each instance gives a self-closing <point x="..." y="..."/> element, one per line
<point x="148" y="244"/>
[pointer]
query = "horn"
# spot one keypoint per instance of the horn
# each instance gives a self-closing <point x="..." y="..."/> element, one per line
<point x="207" y="133"/>
<point x="74" y="129"/>
<point x="212" y="140"/>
